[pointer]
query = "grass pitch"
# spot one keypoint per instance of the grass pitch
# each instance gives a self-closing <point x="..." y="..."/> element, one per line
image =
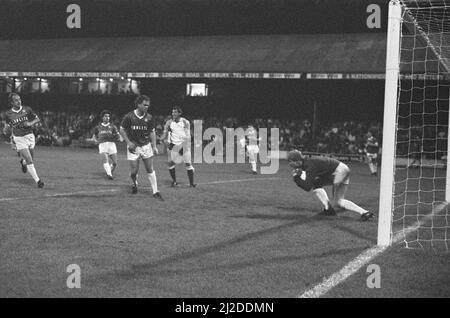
<point x="235" y="235"/>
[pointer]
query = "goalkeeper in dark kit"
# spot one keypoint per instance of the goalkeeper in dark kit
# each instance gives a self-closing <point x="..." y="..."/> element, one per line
<point x="316" y="172"/>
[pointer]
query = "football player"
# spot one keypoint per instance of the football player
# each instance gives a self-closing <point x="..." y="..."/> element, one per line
<point x="22" y="162"/>
<point x="316" y="172"/>
<point x="415" y="150"/>
<point x="372" y="153"/>
<point x="21" y="120"/>
<point x="251" y="144"/>
<point x="138" y="131"/>
<point x="177" y="136"/>
<point x="105" y="135"/>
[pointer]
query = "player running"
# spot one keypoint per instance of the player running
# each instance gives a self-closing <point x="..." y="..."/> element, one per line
<point x="372" y="153"/>
<point x="177" y="136"/>
<point x="251" y="143"/>
<point x="105" y="135"/>
<point x="21" y="119"/>
<point x="138" y="131"/>
<point x="22" y="162"/>
<point x="316" y="172"/>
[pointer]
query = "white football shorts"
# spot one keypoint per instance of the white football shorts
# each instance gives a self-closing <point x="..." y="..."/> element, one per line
<point x="143" y="152"/>
<point x="341" y="174"/>
<point x="107" y="147"/>
<point x="24" y="142"/>
<point x="175" y="156"/>
<point x="254" y="149"/>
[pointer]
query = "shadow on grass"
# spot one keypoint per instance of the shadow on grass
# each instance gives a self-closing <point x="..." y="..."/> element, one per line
<point x="336" y="221"/>
<point x="241" y="265"/>
<point x="355" y="233"/>
<point x="144" y="269"/>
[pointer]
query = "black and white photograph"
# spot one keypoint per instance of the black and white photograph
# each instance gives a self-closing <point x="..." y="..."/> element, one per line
<point x="224" y="154"/>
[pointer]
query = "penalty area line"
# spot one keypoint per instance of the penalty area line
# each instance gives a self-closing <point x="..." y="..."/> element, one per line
<point x="68" y="194"/>
<point x="365" y="257"/>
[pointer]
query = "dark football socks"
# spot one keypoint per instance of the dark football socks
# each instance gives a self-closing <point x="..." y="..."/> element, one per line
<point x="190" y="174"/>
<point x="172" y="174"/>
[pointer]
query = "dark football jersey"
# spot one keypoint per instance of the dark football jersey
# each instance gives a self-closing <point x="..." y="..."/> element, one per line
<point x="106" y="133"/>
<point x="138" y="129"/>
<point x="318" y="172"/>
<point x="16" y="120"/>
<point x="372" y="145"/>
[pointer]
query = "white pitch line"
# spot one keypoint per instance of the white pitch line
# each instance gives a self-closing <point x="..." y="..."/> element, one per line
<point x="239" y="180"/>
<point x="54" y="195"/>
<point x="68" y="194"/>
<point x="364" y="258"/>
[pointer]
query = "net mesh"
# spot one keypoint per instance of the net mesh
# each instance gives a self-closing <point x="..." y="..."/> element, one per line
<point x="420" y="214"/>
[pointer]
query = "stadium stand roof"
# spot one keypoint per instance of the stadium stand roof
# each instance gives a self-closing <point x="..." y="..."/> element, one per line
<point x="360" y="53"/>
<point x="298" y="53"/>
<point x="46" y="19"/>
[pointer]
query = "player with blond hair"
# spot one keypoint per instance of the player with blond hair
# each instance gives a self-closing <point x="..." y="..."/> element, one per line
<point x="21" y="119"/>
<point x="316" y="172"/>
<point x="138" y="131"/>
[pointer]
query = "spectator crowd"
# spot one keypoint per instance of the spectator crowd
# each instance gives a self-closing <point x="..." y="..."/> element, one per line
<point x="348" y="137"/>
<point x="65" y="129"/>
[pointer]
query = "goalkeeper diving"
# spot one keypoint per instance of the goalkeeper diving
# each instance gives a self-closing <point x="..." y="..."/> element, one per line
<point x="317" y="172"/>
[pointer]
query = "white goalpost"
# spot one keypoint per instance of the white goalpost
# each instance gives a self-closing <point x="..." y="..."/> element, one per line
<point x="415" y="170"/>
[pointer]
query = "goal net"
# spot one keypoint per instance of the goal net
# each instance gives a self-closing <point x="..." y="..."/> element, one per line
<point x="420" y="180"/>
